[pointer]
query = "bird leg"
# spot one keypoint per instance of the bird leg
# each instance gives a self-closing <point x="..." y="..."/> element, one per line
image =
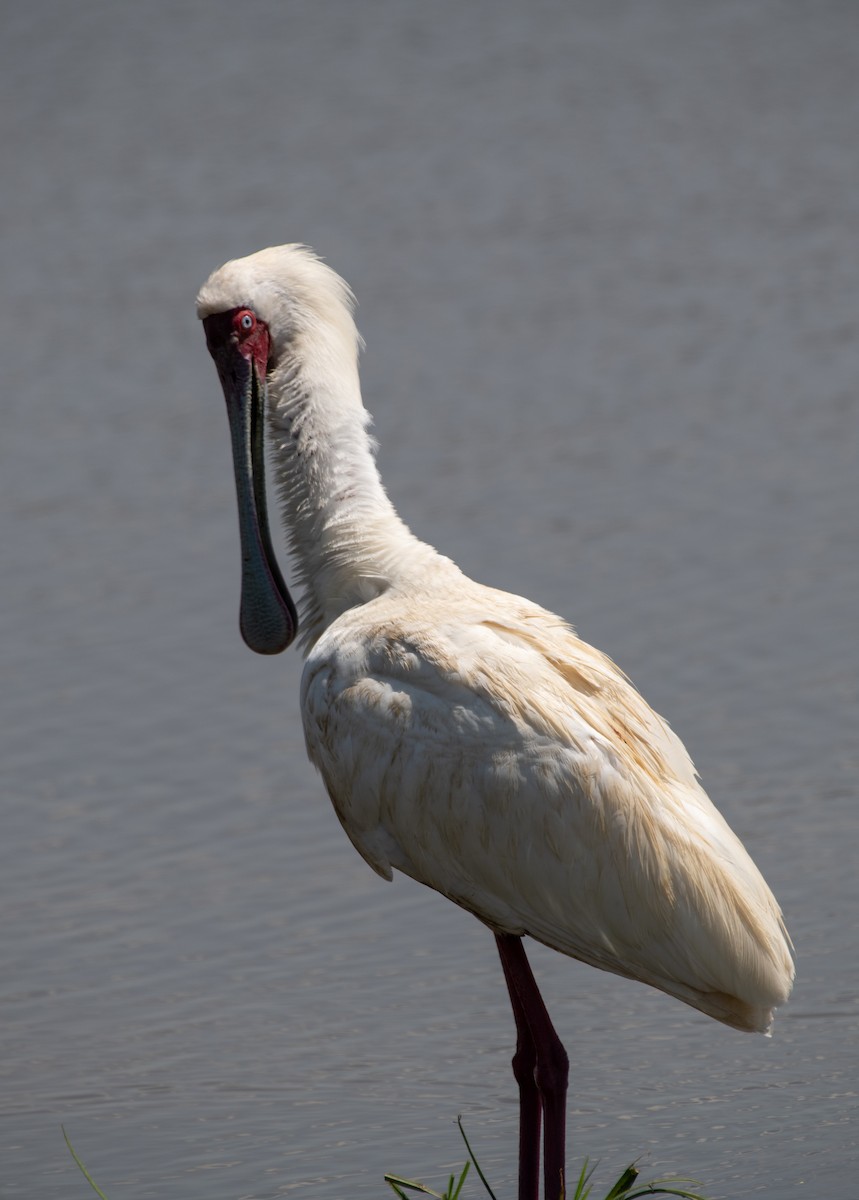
<point x="541" y="1068"/>
<point x="530" y="1106"/>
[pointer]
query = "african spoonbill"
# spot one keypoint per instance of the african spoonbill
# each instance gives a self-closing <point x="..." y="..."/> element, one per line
<point x="467" y="737"/>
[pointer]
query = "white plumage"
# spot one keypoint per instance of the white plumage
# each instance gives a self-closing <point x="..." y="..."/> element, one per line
<point x="467" y="737"/>
<point x="490" y="754"/>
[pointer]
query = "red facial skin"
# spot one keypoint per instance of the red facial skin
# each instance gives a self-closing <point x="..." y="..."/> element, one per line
<point x="241" y="328"/>
<point x="253" y="341"/>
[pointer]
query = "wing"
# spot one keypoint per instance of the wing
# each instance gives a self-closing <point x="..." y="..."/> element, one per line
<point x="500" y="760"/>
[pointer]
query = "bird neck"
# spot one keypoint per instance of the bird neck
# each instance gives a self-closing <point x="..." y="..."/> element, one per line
<point x="347" y="542"/>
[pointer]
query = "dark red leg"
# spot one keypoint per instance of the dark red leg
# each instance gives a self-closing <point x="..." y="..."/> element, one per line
<point x="541" y="1067"/>
<point x="524" y="1071"/>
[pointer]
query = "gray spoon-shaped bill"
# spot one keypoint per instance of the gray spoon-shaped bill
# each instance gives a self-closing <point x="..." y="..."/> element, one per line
<point x="267" y="616"/>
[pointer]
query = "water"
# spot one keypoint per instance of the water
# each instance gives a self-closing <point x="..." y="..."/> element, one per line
<point x="607" y="260"/>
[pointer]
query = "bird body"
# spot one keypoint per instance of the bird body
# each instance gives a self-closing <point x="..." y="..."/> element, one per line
<point x="477" y="745"/>
<point x="468" y="737"/>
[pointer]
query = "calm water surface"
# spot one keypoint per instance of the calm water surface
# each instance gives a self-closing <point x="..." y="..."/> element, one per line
<point x="607" y="264"/>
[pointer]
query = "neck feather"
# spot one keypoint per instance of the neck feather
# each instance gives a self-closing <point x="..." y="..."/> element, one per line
<point x="347" y="542"/>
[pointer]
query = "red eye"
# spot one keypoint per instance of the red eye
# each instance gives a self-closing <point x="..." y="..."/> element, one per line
<point x="245" y="321"/>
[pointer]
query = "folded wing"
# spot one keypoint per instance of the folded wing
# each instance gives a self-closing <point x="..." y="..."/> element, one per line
<point x="504" y="762"/>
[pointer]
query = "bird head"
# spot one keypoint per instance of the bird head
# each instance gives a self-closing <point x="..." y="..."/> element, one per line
<point x="238" y="306"/>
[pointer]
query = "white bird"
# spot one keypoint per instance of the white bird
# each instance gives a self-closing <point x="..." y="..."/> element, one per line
<point x="467" y="737"/>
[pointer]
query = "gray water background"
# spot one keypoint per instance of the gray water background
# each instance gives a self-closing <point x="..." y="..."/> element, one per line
<point x="606" y="257"/>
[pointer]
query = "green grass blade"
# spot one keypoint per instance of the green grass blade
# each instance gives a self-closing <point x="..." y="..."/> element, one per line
<point x="620" y="1191"/>
<point x="82" y="1168"/>
<point x="397" y="1183"/>
<point x="483" y="1178"/>
<point x="582" y="1189"/>
<point x="656" y="1188"/>
<point x="454" y="1195"/>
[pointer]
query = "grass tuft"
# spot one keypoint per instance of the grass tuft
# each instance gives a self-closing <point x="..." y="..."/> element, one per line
<point x="626" y="1186"/>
